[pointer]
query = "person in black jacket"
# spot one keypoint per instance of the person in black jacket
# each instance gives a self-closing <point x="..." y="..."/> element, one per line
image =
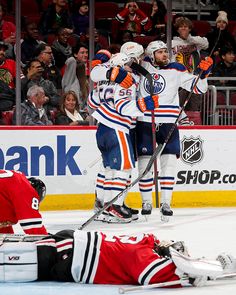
<point x="69" y="113"/>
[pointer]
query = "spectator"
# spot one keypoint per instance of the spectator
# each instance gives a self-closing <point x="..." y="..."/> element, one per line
<point x="7" y="66"/>
<point x="75" y="76"/>
<point x="61" y="48"/>
<point x="225" y="68"/>
<point x="186" y="50"/>
<point x="134" y="19"/>
<point x="80" y="17"/>
<point x="34" y="72"/>
<point x="54" y="17"/>
<point x="43" y="53"/>
<point x="7" y="29"/>
<point x="124" y="36"/>
<point x="29" y="42"/>
<point x="225" y="39"/>
<point x="84" y="38"/>
<point x="158" y="18"/>
<point x="69" y="111"/>
<point x="32" y="109"/>
<point x="186" y="47"/>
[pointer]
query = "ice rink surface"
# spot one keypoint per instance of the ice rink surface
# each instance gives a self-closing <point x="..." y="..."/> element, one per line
<point x="206" y="232"/>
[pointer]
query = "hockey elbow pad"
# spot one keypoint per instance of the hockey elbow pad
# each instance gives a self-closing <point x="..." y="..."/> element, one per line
<point x="100" y="57"/>
<point x="120" y="76"/>
<point x="205" y="66"/>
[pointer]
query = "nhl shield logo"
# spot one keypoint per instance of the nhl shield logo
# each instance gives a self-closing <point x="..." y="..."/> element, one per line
<point x="191" y="151"/>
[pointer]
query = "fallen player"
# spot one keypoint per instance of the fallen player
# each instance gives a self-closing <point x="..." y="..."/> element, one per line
<point x="99" y="258"/>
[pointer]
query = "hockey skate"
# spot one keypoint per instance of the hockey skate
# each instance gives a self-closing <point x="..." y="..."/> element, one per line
<point x="146" y="209"/>
<point x="97" y="207"/>
<point x="117" y="214"/>
<point x="166" y="212"/>
<point x="134" y="212"/>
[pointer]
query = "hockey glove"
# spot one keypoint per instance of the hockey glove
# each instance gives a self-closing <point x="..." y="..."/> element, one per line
<point x="148" y="103"/>
<point x="120" y="76"/>
<point x="199" y="281"/>
<point x="206" y="66"/>
<point x="100" y="57"/>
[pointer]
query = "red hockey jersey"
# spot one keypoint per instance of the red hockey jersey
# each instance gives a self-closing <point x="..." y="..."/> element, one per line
<point x="103" y="259"/>
<point x="19" y="202"/>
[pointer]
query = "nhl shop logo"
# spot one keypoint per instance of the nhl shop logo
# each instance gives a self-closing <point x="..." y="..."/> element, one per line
<point x="191" y="150"/>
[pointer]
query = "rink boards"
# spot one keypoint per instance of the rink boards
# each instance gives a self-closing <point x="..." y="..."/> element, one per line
<point x="67" y="160"/>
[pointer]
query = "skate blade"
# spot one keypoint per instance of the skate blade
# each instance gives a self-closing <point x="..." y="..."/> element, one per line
<point x="113" y="219"/>
<point x="165" y="218"/>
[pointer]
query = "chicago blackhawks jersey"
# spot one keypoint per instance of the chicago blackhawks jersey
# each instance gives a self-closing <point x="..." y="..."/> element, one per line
<point x="105" y="259"/>
<point x="19" y="203"/>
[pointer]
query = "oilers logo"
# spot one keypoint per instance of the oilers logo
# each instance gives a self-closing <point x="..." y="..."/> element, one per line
<point x="159" y="84"/>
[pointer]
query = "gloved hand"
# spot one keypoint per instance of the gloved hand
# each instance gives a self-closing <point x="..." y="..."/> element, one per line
<point x="120" y="76"/>
<point x="148" y="103"/>
<point x="100" y="57"/>
<point x="205" y="65"/>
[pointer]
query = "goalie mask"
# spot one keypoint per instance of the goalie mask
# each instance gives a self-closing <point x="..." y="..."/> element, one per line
<point x="133" y="50"/>
<point x="39" y="186"/>
<point x="119" y="59"/>
<point x="152" y="48"/>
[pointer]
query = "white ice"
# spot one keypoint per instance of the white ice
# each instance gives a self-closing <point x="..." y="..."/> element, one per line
<point x="206" y="231"/>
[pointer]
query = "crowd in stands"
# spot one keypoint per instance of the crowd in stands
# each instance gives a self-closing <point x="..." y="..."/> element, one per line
<point x="55" y="53"/>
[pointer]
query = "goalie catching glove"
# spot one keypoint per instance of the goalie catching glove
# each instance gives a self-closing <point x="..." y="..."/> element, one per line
<point x="120" y="76"/>
<point x="205" y="66"/>
<point x="148" y="103"/>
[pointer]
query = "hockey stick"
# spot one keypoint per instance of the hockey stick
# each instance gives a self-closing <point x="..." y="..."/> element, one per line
<point x="21" y="237"/>
<point x="147" y="169"/>
<point x="185" y="282"/>
<point x="137" y="67"/>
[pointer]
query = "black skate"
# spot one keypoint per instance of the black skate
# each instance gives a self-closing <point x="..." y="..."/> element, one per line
<point x="166" y="212"/>
<point x="97" y="207"/>
<point x="134" y="212"/>
<point x="117" y="214"/>
<point x="146" y="208"/>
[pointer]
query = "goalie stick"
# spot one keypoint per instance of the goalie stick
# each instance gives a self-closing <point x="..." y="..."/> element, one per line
<point x="141" y="70"/>
<point x="123" y="290"/>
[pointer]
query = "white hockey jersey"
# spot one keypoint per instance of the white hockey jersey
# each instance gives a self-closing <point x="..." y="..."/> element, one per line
<point x="114" y="106"/>
<point x="166" y="82"/>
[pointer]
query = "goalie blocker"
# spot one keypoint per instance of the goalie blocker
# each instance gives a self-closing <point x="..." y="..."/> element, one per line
<point x="61" y="257"/>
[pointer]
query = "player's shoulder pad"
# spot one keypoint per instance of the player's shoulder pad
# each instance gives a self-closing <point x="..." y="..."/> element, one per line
<point x="176" y="66"/>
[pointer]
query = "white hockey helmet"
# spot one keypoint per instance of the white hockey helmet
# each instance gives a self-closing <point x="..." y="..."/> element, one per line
<point x="133" y="50"/>
<point x="154" y="46"/>
<point x="119" y="59"/>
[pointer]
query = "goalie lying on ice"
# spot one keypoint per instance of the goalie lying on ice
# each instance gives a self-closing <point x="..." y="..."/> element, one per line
<point x="99" y="258"/>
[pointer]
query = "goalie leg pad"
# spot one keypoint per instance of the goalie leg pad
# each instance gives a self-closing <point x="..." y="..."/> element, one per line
<point x="196" y="267"/>
<point x="18" y="262"/>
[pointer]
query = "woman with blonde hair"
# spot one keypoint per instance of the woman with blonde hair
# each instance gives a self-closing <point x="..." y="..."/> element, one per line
<point x="69" y="111"/>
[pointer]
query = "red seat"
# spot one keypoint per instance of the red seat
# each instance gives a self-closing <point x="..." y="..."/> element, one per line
<point x="145" y="7"/>
<point x="144" y="40"/>
<point x="106" y="10"/>
<point x="195" y="117"/>
<point x="201" y="27"/>
<point x="233" y="99"/>
<point x="7" y="117"/>
<point x="221" y="99"/>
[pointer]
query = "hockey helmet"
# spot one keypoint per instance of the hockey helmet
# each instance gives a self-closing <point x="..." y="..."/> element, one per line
<point x="39" y="186"/>
<point x="154" y="46"/>
<point x="133" y="50"/>
<point x="119" y="59"/>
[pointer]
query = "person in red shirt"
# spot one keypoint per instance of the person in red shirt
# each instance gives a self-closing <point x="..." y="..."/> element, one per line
<point x="7" y="29"/>
<point x="19" y="199"/>
<point x="134" y="19"/>
<point x="7" y="66"/>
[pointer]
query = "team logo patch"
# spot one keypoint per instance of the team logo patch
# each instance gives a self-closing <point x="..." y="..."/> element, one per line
<point x="159" y="84"/>
<point x="191" y="151"/>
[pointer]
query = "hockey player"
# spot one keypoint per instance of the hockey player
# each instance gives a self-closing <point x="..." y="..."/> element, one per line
<point x="101" y="258"/>
<point x="19" y="199"/>
<point x="167" y="78"/>
<point x="115" y="108"/>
